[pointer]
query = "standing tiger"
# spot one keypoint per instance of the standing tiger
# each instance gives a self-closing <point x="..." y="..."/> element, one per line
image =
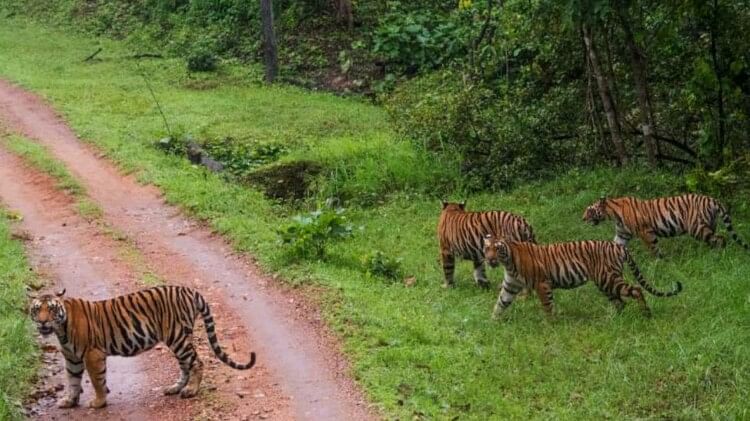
<point x="460" y="234"/>
<point x="566" y="265"/>
<point x="664" y="217"/>
<point x="127" y="325"/>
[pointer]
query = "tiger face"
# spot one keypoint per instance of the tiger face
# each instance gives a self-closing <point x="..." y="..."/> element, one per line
<point x="48" y="312"/>
<point x="496" y="251"/>
<point x="595" y="213"/>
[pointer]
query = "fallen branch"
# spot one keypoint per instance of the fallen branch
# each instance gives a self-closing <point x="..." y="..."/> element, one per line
<point x="663" y="157"/>
<point x="146" y="55"/>
<point x="94" y="54"/>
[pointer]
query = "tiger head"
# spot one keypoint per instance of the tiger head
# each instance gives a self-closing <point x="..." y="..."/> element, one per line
<point x="596" y="213"/>
<point x="454" y="206"/>
<point x="48" y="312"/>
<point x="496" y="251"/>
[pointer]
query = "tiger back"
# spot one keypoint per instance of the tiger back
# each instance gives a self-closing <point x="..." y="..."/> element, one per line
<point x="89" y="331"/>
<point x="567" y="265"/>
<point x="461" y="234"/>
<point x="692" y="214"/>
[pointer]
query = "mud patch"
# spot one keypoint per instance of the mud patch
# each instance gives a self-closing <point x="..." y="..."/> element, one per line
<point x="287" y="181"/>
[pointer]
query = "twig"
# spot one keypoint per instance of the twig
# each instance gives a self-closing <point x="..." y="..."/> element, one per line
<point x="94" y="54"/>
<point x="146" y="55"/>
<point x="153" y="95"/>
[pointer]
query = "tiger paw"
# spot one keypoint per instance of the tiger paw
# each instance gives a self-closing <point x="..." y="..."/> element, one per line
<point x="483" y="284"/>
<point x="98" y="403"/>
<point x="67" y="402"/>
<point x="174" y="389"/>
<point x="188" y="392"/>
<point x="446" y="285"/>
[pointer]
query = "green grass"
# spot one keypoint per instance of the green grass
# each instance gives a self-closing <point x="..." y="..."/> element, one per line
<point x="40" y="158"/>
<point x="18" y="349"/>
<point x="423" y="350"/>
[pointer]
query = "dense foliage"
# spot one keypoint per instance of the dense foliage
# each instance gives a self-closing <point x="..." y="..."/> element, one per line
<point x="515" y="89"/>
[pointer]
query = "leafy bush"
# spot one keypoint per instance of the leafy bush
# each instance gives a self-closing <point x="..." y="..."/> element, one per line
<point x="501" y="132"/>
<point x="724" y="182"/>
<point x="240" y="158"/>
<point x="418" y="40"/>
<point x="308" y="235"/>
<point x="379" y="264"/>
<point x="201" y="57"/>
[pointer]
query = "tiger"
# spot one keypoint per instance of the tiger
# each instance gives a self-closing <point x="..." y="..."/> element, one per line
<point x="693" y="214"/>
<point x="566" y="265"/>
<point x="89" y="331"/>
<point x="460" y="233"/>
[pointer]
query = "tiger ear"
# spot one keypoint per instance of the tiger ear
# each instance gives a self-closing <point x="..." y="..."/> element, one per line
<point x="462" y="205"/>
<point x="444" y="203"/>
<point x="60" y="293"/>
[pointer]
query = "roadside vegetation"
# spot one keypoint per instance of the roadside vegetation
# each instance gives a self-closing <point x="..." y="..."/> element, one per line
<point x="418" y="350"/>
<point x="18" y="350"/>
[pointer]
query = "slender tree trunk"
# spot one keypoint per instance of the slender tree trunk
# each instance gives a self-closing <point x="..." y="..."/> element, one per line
<point x="345" y="12"/>
<point x="719" y="76"/>
<point x="605" y="93"/>
<point x="638" y="64"/>
<point x="269" y="40"/>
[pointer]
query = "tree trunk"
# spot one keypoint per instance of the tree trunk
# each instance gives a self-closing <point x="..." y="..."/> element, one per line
<point x="605" y="93"/>
<point x="638" y="64"/>
<point x="269" y="40"/>
<point x="345" y="12"/>
<point x="719" y="77"/>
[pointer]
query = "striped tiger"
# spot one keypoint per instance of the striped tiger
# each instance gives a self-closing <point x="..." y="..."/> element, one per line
<point x="693" y="214"/>
<point x="127" y="325"/>
<point x="566" y="265"/>
<point x="460" y="234"/>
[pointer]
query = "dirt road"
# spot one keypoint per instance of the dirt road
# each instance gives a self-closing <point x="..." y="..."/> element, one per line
<point x="300" y="373"/>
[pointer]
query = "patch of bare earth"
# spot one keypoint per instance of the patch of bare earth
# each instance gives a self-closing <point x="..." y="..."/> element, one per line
<point x="301" y="373"/>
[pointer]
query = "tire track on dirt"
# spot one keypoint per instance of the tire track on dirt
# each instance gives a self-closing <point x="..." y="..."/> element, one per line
<point x="287" y="333"/>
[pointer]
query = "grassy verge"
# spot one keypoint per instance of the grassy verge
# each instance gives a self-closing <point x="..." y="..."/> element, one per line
<point x="40" y="158"/>
<point x="422" y="351"/>
<point x="18" y="350"/>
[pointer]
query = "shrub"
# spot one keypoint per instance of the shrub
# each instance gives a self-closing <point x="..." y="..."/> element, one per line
<point x="201" y="56"/>
<point x="379" y="264"/>
<point x="500" y="132"/>
<point x="308" y="235"/>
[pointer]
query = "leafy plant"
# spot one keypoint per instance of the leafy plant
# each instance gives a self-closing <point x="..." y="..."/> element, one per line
<point x="201" y="57"/>
<point x="379" y="264"/>
<point x="308" y="235"/>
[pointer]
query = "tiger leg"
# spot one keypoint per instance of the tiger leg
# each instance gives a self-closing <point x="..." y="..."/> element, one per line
<point x="191" y="368"/>
<point x="649" y="239"/>
<point x="74" y="368"/>
<point x="705" y="233"/>
<point x="544" y="291"/>
<point x="96" y="365"/>
<point x="479" y="275"/>
<point x="449" y="266"/>
<point x="614" y="297"/>
<point x="619" y="287"/>
<point x="510" y="288"/>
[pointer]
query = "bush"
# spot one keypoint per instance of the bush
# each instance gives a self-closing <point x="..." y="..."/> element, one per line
<point x="201" y="56"/>
<point x="500" y="132"/>
<point x="379" y="264"/>
<point x="308" y="235"/>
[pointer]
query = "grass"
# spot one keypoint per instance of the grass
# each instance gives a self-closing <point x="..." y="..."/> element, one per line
<point x="18" y="349"/>
<point x="40" y="158"/>
<point x="422" y="351"/>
